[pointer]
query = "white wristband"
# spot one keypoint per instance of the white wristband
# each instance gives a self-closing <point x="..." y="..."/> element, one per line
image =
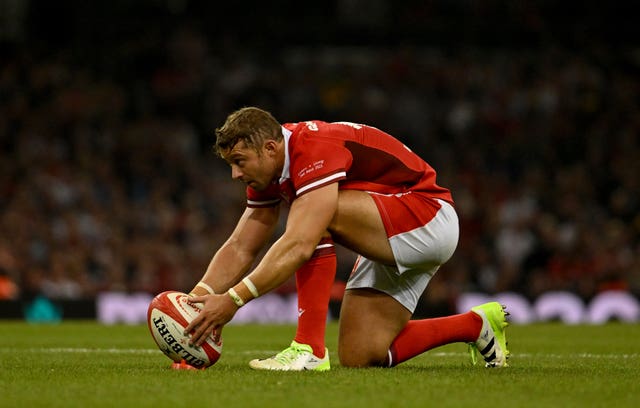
<point x="234" y="296"/>
<point x="206" y="287"/>
<point x="252" y="288"/>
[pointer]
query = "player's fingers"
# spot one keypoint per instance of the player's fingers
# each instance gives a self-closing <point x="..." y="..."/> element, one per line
<point x="204" y="328"/>
<point x="200" y="335"/>
<point x="216" y="334"/>
<point x="195" y="336"/>
<point x="194" y="323"/>
<point x="197" y="299"/>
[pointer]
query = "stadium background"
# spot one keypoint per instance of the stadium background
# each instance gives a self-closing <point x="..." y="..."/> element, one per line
<point x="528" y="110"/>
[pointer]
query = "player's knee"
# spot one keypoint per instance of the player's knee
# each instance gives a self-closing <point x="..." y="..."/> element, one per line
<point x="362" y="357"/>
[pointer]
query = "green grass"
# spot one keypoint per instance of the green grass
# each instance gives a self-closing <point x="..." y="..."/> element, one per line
<point x="82" y="364"/>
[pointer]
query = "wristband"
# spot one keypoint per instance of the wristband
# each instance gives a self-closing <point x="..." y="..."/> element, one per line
<point x="234" y="296"/>
<point x="206" y="287"/>
<point x="252" y="288"/>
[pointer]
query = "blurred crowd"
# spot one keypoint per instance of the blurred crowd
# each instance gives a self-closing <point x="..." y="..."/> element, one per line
<point x="108" y="181"/>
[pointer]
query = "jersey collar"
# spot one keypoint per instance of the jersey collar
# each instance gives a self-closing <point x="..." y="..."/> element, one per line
<point x="286" y="133"/>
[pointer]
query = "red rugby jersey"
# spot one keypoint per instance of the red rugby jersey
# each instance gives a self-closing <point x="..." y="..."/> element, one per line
<point x="358" y="157"/>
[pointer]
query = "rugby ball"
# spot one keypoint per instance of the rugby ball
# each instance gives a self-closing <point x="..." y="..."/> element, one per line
<point x="169" y="314"/>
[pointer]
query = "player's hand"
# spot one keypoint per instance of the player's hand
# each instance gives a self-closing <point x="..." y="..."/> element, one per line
<point x="217" y="310"/>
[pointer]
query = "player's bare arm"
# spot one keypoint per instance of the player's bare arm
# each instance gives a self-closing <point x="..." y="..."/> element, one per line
<point x="232" y="261"/>
<point x="307" y="222"/>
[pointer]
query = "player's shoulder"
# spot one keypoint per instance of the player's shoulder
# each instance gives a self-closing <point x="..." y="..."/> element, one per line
<point x="308" y="133"/>
<point x="306" y="126"/>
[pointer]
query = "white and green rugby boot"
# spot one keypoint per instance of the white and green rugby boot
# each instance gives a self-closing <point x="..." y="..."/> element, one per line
<point x="297" y="357"/>
<point x="491" y="343"/>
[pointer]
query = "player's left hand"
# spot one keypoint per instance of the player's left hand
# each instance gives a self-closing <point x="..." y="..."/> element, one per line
<point x="217" y="310"/>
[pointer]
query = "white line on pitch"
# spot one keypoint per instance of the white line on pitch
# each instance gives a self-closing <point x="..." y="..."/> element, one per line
<point x="268" y="352"/>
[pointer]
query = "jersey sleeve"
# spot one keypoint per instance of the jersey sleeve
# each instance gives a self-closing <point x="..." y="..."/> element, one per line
<point x="261" y="199"/>
<point x="317" y="163"/>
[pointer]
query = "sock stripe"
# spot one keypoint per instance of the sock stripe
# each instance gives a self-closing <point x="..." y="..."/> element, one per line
<point x="324" y="248"/>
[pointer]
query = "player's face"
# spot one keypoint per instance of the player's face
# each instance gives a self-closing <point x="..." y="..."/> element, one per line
<point x="253" y="169"/>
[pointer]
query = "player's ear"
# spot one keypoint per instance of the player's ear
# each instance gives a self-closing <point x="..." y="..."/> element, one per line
<point x="270" y="147"/>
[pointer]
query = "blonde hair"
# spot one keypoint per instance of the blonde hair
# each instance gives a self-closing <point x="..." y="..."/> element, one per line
<point x="250" y="124"/>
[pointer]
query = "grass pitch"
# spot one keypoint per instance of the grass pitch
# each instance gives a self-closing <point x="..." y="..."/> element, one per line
<point x="83" y="364"/>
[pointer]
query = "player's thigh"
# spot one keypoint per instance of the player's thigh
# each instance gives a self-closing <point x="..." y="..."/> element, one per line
<point x="369" y="322"/>
<point x="357" y="225"/>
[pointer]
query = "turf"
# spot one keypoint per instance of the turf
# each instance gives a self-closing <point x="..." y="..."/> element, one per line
<point x="84" y="364"/>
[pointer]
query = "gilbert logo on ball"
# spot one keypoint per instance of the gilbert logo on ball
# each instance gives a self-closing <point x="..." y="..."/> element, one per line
<point x="169" y="314"/>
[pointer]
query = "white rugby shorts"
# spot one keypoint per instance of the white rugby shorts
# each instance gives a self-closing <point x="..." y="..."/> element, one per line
<point x="423" y="233"/>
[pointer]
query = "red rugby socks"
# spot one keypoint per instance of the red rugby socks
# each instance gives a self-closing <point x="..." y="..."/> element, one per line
<point x="419" y="336"/>
<point x="314" y="280"/>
